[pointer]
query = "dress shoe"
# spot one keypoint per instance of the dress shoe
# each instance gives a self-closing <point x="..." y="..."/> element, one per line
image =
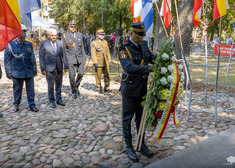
<point x="34" y="109"/>
<point x="145" y="151"/>
<point x="60" y="103"/>
<point x="78" y="93"/>
<point x="131" y="154"/>
<point x="107" y="91"/>
<point x="74" y="96"/>
<point x="99" y="91"/>
<point x="16" y="108"/>
<point x="1" y="115"/>
<point x="52" y="105"/>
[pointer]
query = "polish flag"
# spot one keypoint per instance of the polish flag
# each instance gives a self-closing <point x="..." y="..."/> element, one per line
<point x="136" y="10"/>
<point x="166" y="12"/>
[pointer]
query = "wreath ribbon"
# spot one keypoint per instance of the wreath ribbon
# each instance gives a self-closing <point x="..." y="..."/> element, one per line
<point x="169" y="108"/>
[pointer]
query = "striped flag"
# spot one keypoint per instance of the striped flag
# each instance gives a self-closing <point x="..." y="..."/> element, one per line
<point x="26" y="7"/>
<point x="136" y="10"/>
<point x="147" y="17"/>
<point x="220" y="7"/>
<point x="10" y="22"/>
<point x="197" y="11"/>
<point x="166" y="12"/>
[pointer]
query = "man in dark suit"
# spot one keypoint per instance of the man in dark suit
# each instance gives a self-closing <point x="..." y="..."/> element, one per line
<point x="52" y="57"/>
<point x="134" y="57"/>
<point x="88" y="44"/>
<point x="75" y="53"/>
<point x="20" y="66"/>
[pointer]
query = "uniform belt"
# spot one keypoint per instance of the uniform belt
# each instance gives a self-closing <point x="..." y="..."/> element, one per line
<point x="136" y="75"/>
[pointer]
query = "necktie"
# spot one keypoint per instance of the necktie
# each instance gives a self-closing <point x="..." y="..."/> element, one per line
<point x="54" y="47"/>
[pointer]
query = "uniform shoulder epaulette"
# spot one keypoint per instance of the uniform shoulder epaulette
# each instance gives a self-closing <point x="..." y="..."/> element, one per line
<point x="126" y="43"/>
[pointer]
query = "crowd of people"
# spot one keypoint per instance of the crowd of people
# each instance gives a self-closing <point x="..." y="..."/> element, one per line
<point x="66" y="52"/>
<point x="228" y="40"/>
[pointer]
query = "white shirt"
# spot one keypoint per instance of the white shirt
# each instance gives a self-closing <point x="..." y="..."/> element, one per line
<point x="134" y="43"/>
<point x="229" y="40"/>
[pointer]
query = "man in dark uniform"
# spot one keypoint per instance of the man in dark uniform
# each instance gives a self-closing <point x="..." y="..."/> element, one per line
<point x="76" y="56"/>
<point x="134" y="57"/>
<point x="20" y="66"/>
<point x="88" y="44"/>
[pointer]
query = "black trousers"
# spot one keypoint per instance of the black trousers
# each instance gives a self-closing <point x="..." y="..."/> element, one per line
<point x="17" y="91"/>
<point x="54" y="78"/>
<point x="75" y="80"/>
<point x="131" y="106"/>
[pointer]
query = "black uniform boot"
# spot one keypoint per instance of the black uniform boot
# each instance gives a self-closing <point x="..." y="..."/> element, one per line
<point x="130" y="151"/>
<point x="144" y="150"/>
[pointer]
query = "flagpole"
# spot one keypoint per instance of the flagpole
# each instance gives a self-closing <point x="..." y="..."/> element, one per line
<point x="217" y="71"/>
<point x="185" y="62"/>
<point x="162" y="21"/>
<point x="231" y="52"/>
<point x="205" y="37"/>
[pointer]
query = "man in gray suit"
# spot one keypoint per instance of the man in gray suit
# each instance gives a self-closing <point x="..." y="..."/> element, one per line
<point x="75" y="53"/>
<point x="52" y="57"/>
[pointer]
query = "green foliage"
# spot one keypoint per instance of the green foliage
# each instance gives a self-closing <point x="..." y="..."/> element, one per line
<point x="116" y="13"/>
<point x="153" y="98"/>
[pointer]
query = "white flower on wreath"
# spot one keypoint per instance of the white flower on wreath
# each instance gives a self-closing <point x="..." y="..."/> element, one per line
<point x="173" y="58"/>
<point x="171" y="68"/>
<point x="165" y="56"/>
<point x="180" y="67"/>
<point x="163" y="81"/>
<point x="163" y="70"/>
<point x="182" y="77"/>
<point x="170" y="78"/>
<point x="173" y="53"/>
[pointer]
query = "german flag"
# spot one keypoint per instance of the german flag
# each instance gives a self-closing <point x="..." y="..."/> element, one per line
<point x="10" y="26"/>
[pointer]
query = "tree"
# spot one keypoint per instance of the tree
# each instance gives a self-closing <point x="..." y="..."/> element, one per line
<point x="116" y="14"/>
<point x="159" y="30"/>
<point x="185" y="10"/>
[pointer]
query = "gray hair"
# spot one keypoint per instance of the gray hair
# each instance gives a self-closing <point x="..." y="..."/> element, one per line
<point x="52" y="31"/>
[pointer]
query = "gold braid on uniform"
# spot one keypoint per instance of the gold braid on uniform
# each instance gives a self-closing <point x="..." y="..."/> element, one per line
<point x="67" y="44"/>
<point x="97" y="48"/>
<point x="129" y="54"/>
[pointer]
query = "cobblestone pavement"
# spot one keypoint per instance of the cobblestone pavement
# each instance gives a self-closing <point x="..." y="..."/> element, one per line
<point x="87" y="132"/>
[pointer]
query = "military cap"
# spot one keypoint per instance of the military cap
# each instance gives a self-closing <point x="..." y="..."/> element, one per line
<point x="23" y="33"/>
<point x="72" y="23"/>
<point x="138" y="29"/>
<point x="100" y="31"/>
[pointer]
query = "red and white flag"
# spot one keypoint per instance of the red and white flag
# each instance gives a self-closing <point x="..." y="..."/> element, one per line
<point x="197" y="12"/>
<point x="136" y="10"/>
<point x="166" y="12"/>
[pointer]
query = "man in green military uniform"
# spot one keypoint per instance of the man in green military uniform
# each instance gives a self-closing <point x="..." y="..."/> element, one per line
<point x="134" y="57"/>
<point x="101" y="60"/>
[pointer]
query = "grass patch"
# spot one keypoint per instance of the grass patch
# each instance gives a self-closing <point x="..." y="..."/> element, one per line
<point x="198" y="73"/>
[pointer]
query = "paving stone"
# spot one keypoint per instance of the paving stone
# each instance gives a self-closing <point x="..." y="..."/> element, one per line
<point x="87" y="132"/>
